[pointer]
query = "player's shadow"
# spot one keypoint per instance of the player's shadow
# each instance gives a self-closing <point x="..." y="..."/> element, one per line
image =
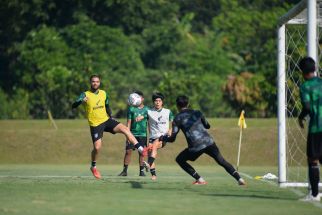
<point x="258" y="196"/>
<point x="136" y="185"/>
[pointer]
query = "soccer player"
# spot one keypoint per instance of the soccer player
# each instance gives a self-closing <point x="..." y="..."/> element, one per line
<point x="98" y="113"/>
<point x="311" y="99"/>
<point x="194" y="125"/>
<point x="137" y="122"/>
<point x="159" y="121"/>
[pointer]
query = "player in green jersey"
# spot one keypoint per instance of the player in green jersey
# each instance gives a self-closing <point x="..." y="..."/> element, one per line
<point x="311" y="99"/>
<point x="137" y="123"/>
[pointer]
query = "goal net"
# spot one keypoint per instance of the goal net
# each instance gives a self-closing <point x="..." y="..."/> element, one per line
<point x="298" y="36"/>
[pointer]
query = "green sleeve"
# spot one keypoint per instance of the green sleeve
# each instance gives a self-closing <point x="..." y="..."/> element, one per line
<point x="129" y="113"/>
<point x="171" y="116"/>
<point x="79" y="100"/>
<point x="146" y="112"/>
<point x="81" y="97"/>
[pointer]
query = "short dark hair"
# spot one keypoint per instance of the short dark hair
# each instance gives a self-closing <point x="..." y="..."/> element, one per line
<point x="307" y="65"/>
<point x="182" y="101"/>
<point x="139" y="92"/>
<point x="94" y="76"/>
<point x="157" y="95"/>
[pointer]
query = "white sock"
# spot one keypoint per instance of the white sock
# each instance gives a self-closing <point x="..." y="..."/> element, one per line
<point x="201" y="179"/>
<point x="140" y="149"/>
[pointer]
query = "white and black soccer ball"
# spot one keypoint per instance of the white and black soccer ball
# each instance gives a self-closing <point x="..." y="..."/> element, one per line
<point x="134" y="99"/>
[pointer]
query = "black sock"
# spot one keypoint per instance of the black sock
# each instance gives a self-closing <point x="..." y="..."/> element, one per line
<point x="137" y="146"/>
<point x="153" y="172"/>
<point x="151" y="160"/>
<point x="236" y="175"/>
<point x="141" y="168"/>
<point x="196" y="176"/>
<point x="93" y="163"/>
<point x="314" y="175"/>
<point x="125" y="168"/>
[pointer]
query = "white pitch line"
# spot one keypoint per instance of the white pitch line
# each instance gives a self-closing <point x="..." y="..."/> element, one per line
<point x="44" y="176"/>
<point x="297" y="192"/>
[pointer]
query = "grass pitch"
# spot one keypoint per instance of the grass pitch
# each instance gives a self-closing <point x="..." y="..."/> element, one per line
<point x="37" y="142"/>
<point x="55" y="178"/>
<point x="70" y="189"/>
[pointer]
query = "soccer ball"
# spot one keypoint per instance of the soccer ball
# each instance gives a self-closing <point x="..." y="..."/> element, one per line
<point x="134" y="99"/>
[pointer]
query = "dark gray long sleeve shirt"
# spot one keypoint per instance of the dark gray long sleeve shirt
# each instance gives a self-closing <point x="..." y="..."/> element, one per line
<point x="194" y="126"/>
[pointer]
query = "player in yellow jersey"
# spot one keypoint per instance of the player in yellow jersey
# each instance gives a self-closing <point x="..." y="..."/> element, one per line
<point x="98" y="113"/>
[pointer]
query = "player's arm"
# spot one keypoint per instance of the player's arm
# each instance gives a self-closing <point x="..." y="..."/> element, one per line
<point x="107" y="107"/>
<point x="81" y="98"/>
<point x="129" y="117"/>
<point x="204" y="121"/>
<point x="171" y="138"/>
<point x="171" y="118"/>
<point x="305" y="100"/>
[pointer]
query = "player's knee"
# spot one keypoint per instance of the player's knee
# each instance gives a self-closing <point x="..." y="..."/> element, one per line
<point x="128" y="152"/>
<point x="221" y="160"/>
<point x="97" y="147"/>
<point x="125" y="129"/>
<point x="154" y="153"/>
<point x="313" y="162"/>
<point x="179" y="159"/>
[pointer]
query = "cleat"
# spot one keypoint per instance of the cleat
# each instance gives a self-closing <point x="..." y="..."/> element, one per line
<point x="146" y="166"/>
<point x="199" y="182"/>
<point x="96" y="173"/>
<point x="310" y="198"/>
<point x="154" y="177"/>
<point x="142" y="173"/>
<point x="242" y="182"/>
<point x="123" y="174"/>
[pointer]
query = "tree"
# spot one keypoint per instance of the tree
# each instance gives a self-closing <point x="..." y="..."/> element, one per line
<point x="247" y="91"/>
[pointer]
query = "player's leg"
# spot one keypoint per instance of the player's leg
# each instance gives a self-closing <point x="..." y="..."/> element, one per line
<point x="142" y="142"/>
<point x="152" y="156"/>
<point x="141" y="165"/>
<point x="214" y="152"/>
<point x="314" y="152"/>
<point x="97" y="134"/>
<point x="127" y="158"/>
<point x="182" y="159"/>
<point x="149" y="152"/>
<point x="94" y="155"/>
<point x="314" y="175"/>
<point x="120" y="128"/>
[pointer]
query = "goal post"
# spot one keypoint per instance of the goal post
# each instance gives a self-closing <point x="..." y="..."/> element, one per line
<point x="298" y="36"/>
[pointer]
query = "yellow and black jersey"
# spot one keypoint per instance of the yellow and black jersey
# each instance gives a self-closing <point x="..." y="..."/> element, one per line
<point x="95" y="106"/>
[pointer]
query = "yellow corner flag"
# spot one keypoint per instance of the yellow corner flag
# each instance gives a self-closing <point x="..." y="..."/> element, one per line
<point x="242" y="121"/>
<point x="242" y="125"/>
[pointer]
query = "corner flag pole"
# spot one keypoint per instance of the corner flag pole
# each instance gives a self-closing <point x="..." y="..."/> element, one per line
<point x="51" y="119"/>
<point x="242" y="125"/>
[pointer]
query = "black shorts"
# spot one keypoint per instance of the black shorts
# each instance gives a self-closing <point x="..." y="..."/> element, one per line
<point x="107" y="126"/>
<point x="314" y="146"/>
<point x="211" y="150"/>
<point x="141" y="141"/>
<point x="151" y="140"/>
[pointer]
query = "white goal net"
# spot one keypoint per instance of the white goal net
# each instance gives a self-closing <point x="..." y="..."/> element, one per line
<point x="298" y="36"/>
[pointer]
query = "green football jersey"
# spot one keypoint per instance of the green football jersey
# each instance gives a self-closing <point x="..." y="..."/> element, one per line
<point x="311" y="94"/>
<point x="138" y="128"/>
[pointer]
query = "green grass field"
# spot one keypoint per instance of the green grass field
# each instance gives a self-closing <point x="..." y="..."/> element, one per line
<point x="37" y="142"/>
<point x="70" y="189"/>
<point x="46" y="171"/>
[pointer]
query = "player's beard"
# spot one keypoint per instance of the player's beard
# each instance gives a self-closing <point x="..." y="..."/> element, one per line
<point x="95" y="88"/>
